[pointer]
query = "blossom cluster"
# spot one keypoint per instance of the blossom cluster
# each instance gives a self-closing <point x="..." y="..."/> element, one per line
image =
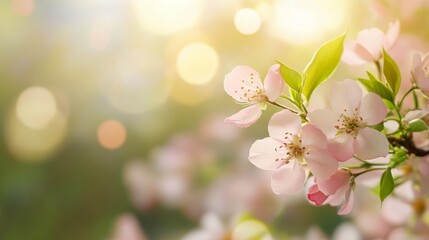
<point x="366" y="128"/>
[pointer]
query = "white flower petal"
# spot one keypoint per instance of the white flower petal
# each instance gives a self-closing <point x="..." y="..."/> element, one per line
<point x="288" y="179"/>
<point x="370" y="144"/>
<point x="264" y="152"/>
<point x="372" y="109"/>
<point x="245" y="117"/>
<point x="345" y="96"/>
<point x="284" y="122"/>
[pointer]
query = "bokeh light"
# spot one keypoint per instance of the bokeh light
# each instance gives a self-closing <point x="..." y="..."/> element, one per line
<point x="36" y="106"/>
<point x="247" y="21"/>
<point x="111" y="134"/>
<point x="35" y="145"/>
<point x="168" y="16"/>
<point x="307" y="21"/>
<point x="197" y="63"/>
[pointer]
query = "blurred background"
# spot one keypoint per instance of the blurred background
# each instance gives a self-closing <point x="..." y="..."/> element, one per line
<point x="111" y="111"/>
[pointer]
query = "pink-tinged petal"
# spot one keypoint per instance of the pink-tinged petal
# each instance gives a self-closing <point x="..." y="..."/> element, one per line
<point x="315" y="196"/>
<point x="312" y="136"/>
<point x="396" y="211"/>
<point x="392" y="35"/>
<point x="242" y="80"/>
<point x="321" y="163"/>
<point x="342" y="147"/>
<point x="372" y="39"/>
<point x="345" y="96"/>
<point x="288" y="179"/>
<point x="325" y="120"/>
<point x="352" y="55"/>
<point x="274" y="83"/>
<point x="284" y="122"/>
<point x="338" y="197"/>
<point x="370" y="144"/>
<point x="415" y="114"/>
<point x="264" y="152"/>
<point x="372" y="109"/>
<point x="347" y="206"/>
<point x="329" y="187"/>
<point x="245" y="117"/>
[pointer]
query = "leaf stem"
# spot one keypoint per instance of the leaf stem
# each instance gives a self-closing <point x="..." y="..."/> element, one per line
<point x="284" y="107"/>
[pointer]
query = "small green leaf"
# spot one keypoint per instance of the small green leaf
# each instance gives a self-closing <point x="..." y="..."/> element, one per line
<point x="323" y="64"/>
<point x="386" y="184"/>
<point x="292" y="78"/>
<point x="375" y="86"/>
<point x="391" y="72"/>
<point x="399" y="157"/>
<point x="417" y="125"/>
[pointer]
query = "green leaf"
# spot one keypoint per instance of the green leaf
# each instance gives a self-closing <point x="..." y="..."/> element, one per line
<point x="398" y="158"/>
<point x="386" y="184"/>
<point x="375" y="86"/>
<point x="323" y="64"/>
<point x="391" y="72"/>
<point x="292" y="78"/>
<point x="417" y="125"/>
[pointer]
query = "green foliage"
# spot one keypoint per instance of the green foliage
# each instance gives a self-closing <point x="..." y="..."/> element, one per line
<point x="417" y="125"/>
<point x="292" y="78"/>
<point x="398" y="158"/>
<point x="391" y="72"/>
<point x="375" y="86"/>
<point x="386" y="184"/>
<point x="323" y="64"/>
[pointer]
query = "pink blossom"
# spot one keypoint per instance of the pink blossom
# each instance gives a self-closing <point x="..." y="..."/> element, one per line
<point x="336" y="190"/>
<point x="244" y="85"/>
<point x="420" y="72"/>
<point x="369" y="45"/>
<point x="289" y="148"/>
<point x="347" y="124"/>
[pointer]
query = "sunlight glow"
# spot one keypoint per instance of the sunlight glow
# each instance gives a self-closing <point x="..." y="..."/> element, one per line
<point x="247" y="21"/>
<point x="306" y="21"/>
<point x="168" y="16"/>
<point x="197" y="63"/>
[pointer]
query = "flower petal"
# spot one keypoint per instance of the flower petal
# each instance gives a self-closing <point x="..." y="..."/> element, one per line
<point x="370" y="144"/>
<point x="315" y="196"/>
<point x="288" y="179"/>
<point x="342" y="147"/>
<point x="334" y="183"/>
<point x="372" y="109"/>
<point x="245" y="117"/>
<point x="372" y="39"/>
<point x="242" y="80"/>
<point x="347" y="206"/>
<point x="392" y="35"/>
<point x="274" y="83"/>
<point x="312" y="136"/>
<point x="352" y="54"/>
<point x="321" y="163"/>
<point x="325" y="120"/>
<point x="264" y="152"/>
<point x="345" y="96"/>
<point x="284" y="122"/>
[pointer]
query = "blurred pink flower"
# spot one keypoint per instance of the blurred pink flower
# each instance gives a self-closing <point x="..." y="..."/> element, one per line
<point x="127" y="227"/>
<point x="289" y="147"/>
<point x="420" y="72"/>
<point x="369" y="45"/>
<point x="347" y="124"/>
<point x="336" y="190"/>
<point x="244" y="85"/>
<point x="211" y="228"/>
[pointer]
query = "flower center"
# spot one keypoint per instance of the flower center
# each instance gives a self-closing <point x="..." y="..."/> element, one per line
<point x="294" y="150"/>
<point x="349" y="123"/>
<point x="251" y="92"/>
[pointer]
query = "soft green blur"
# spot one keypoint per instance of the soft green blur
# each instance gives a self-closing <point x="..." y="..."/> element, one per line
<point x="156" y="68"/>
